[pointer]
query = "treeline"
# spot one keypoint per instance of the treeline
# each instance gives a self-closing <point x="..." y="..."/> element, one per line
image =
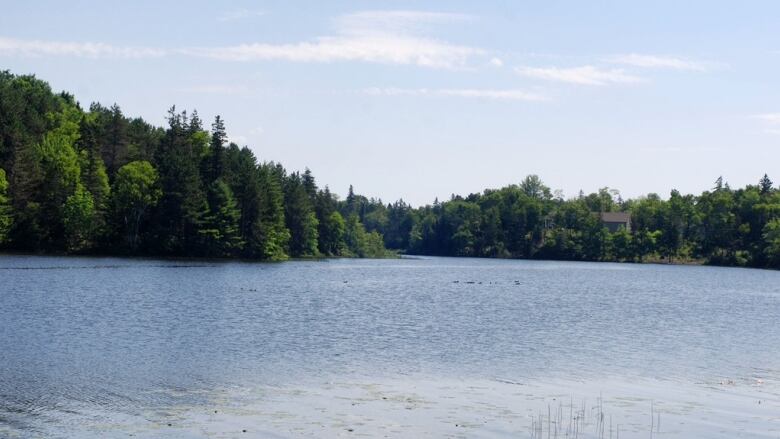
<point x="723" y="226"/>
<point x="96" y="181"/>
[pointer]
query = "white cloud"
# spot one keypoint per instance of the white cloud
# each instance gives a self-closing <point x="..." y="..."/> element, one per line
<point x="239" y="14"/>
<point x="494" y="94"/>
<point x="496" y="62"/>
<point x="377" y="49"/>
<point x="584" y="75"/>
<point x="386" y="37"/>
<point x="13" y="46"/>
<point x="660" y="62"/>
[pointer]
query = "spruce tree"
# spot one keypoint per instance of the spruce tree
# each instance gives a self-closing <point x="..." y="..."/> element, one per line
<point x="300" y="218"/>
<point x="765" y="185"/>
<point x="220" y="232"/>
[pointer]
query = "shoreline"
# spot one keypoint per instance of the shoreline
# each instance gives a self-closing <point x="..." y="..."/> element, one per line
<point x="392" y="254"/>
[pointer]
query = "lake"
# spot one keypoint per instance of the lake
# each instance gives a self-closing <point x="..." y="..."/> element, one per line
<point x="413" y="347"/>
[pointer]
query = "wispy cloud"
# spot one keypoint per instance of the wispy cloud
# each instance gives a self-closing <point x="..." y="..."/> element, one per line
<point x="376" y="49"/>
<point x="584" y="75"/>
<point x="239" y="14"/>
<point x="660" y="62"/>
<point x="494" y="94"/>
<point x="387" y="37"/>
<point x="496" y="62"/>
<point x="771" y="118"/>
<point x="14" y="46"/>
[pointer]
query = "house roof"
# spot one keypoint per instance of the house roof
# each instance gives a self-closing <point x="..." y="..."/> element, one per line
<point x="615" y="217"/>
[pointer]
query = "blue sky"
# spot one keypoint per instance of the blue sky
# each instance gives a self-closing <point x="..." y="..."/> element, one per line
<point x="418" y="100"/>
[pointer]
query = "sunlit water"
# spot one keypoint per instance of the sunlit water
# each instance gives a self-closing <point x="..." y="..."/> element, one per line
<point x="109" y="347"/>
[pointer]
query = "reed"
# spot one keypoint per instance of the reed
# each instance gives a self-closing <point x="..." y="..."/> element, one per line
<point x="575" y="421"/>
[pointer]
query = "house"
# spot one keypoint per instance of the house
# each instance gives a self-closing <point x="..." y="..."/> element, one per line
<point x="615" y="220"/>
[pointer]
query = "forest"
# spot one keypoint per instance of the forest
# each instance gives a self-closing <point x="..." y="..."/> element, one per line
<point x="96" y="181"/>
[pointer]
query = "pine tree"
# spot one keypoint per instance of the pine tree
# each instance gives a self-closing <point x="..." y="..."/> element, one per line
<point x="309" y="185"/>
<point x="115" y="144"/>
<point x="183" y="204"/>
<point x="269" y="229"/>
<point x="93" y="171"/>
<point x="220" y="232"/>
<point x="718" y="184"/>
<point x="300" y="218"/>
<point x="215" y="158"/>
<point x="765" y="185"/>
<point x="351" y="201"/>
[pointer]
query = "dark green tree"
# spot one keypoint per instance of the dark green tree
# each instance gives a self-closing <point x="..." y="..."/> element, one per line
<point x="300" y="218"/>
<point x="765" y="185"/>
<point x="220" y="232"/>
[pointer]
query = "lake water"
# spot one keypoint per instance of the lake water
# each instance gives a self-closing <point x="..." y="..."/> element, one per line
<point x="441" y="347"/>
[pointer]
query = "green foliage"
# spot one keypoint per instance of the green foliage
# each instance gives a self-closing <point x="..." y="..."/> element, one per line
<point x="220" y="233"/>
<point x="331" y="234"/>
<point x="45" y="174"/>
<point x="79" y="220"/>
<point x="135" y="191"/>
<point x="361" y="243"/>
<point x="622" y="245"/>
<point x="270" y="234"/>
<point x="771" y="236"/>
<point x="183" y="205"/>
<point x="6" y="216"/>
<point x="300" y="217"/>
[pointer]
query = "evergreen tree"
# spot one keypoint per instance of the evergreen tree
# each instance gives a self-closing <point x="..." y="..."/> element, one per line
<point x="215" y="158"/>
<point x="115" y="144"/>
<point x="183" y="203"/>
<point x="269" y="231"/>
<point x="309" y="185"/>
<point x="765" y="185"/>
<point x="93" y="171"/>
<point x="220" y="232"/>
<point x="300" y="218"/>
<point x="351" y="201"/>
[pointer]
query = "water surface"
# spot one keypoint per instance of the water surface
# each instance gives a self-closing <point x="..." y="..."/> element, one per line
<point x="109" y="347"/>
